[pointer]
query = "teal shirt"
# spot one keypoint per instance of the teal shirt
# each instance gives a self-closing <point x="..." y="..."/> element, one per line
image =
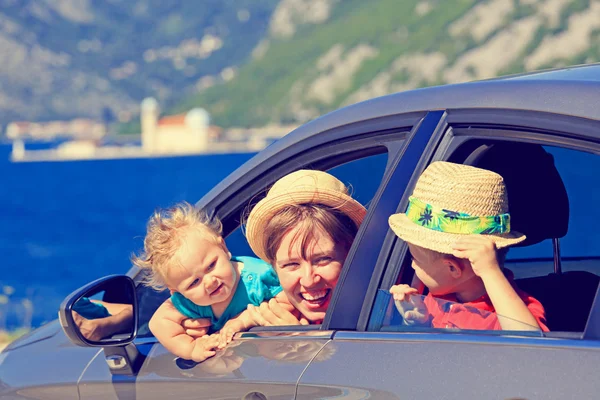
<point x="258" y="283"/>
<point x="90" y="310"/>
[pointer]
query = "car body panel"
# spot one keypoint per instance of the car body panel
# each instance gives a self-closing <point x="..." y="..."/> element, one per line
<point x="44" y="365"/>
<point x="453" y="366"/>
<point x="269" y="363"/>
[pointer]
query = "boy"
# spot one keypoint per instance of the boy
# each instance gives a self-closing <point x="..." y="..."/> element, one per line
<point x="457" y="227"/>
<point x="184" y="251"/>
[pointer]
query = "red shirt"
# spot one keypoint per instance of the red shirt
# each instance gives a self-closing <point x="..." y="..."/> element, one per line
<point x="478" y="314"/>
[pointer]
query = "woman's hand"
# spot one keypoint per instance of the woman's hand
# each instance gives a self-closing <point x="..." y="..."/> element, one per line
<point x="273" y="313"/>
<point x="91" y="329"/>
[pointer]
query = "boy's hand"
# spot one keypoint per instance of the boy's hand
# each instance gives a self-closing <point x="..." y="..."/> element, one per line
<point x="411" y="308"/>
<point x="205" y="347"/>
<point x="196" y="328"/>
<point x="401" y="292"/>
<point x="481" y="253"/>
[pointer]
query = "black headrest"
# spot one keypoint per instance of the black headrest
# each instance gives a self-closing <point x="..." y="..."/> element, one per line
<point x="538" y="202"/>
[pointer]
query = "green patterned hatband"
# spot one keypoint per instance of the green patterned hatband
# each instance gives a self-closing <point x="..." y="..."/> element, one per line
<point x="442" y="220"/>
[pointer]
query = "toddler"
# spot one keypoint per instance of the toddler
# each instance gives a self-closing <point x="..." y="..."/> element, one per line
<point x="184" y="251"/>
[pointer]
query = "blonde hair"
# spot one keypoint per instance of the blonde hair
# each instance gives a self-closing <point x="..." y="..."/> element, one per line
<point x="166" y="231"/>
<point x="436" y="255"/>
<point x="340" y="227"/>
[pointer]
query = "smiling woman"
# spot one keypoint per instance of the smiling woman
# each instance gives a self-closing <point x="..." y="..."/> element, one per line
<point x="304" y="228"/>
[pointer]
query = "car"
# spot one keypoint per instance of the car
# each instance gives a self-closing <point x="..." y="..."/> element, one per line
<point x="540" y="131"/>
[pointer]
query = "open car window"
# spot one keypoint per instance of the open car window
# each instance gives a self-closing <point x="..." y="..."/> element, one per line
<point x="551" y="193"/>
<point x="362" y="174"/>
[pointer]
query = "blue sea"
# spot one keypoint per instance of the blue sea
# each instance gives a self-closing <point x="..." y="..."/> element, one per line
<point x="64" y="224"/>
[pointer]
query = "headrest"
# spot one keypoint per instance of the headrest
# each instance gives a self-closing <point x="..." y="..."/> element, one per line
<point x="537" y="198"/>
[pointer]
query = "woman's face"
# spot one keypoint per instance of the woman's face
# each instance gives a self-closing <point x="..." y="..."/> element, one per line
<point x="309" y="282"/>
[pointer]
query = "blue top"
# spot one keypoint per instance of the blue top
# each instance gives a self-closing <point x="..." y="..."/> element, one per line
<point x="258" y="283"/>
<point x="90" y="310"/>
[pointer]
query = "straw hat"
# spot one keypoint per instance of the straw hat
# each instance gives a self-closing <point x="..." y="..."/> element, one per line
<point x="453" y="200"/>
<point x="300" y="187"/>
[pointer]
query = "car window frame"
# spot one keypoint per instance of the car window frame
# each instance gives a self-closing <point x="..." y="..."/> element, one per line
<point x="505" y="125"/>
<point x="323" y="151"/>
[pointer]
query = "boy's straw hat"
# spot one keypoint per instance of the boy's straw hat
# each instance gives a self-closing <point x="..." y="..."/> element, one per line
<point x="453" y="200"/>
<point x="300" y="187"/>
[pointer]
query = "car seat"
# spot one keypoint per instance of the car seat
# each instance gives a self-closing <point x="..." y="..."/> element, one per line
<point x="535" y="192"/>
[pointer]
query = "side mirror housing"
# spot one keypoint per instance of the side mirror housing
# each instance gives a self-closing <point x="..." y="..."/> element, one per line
<point x="102" y="313"/>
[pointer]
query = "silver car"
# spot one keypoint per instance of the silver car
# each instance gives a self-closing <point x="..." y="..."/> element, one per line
<point x="540" y="131"/>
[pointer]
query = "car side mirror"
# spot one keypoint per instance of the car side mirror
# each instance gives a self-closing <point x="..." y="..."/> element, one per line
<point x="102" y="313"/>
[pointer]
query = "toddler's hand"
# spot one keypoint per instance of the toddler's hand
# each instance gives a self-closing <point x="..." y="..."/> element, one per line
<point x="196" y="328"/>
<point x="481" y="253"/>
<point x="205" y="347"/>
<point x="401" y="292"/>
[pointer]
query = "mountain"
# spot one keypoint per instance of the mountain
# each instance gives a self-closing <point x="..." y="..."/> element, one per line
<point x="254" y="62"/>
<point x="70" y="58"/>
<point x="319" y="55"/>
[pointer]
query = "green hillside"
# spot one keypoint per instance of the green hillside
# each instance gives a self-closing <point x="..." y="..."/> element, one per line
<point x="76" y="58"/>
<point x="367" y="49"/>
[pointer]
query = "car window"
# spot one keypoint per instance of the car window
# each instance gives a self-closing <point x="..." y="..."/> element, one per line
<point x="579" y="248"/>
<point x="362" y="175"/>
<point x="533" y="265"/>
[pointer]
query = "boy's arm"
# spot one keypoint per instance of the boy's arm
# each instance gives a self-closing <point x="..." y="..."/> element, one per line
<point x="166" y="325"/>
<point x="481" y="252"/>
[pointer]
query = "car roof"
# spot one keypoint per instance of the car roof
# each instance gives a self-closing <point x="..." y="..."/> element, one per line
<point x="572" y="91"/>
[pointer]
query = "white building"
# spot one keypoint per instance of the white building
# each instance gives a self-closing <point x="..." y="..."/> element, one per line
<point x="183" y="133"/>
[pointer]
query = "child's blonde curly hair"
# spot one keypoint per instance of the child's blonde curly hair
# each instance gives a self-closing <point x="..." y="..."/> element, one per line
<point x="166" y="231"/>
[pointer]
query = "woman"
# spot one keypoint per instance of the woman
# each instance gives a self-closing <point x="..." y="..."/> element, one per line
<point x="304" y="228"/>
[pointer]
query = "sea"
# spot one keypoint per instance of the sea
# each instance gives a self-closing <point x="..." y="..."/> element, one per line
<point x="66" y="223"/>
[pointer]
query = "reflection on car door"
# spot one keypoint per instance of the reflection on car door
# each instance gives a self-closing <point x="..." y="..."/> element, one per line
<point x="452" y="366"/>
<point x="264" y="363"/>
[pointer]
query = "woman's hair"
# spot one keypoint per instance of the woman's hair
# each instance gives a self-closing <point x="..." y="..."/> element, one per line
<point x="166" y="232"/>
<point x="340" y="228"/>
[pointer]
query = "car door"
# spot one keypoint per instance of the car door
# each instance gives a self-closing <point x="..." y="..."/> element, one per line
<point x="378" y="360"/>
<point x="269" y="361"/>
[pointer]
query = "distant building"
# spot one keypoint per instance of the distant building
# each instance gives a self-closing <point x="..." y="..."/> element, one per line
<point x="190" y="132"/>
<point x="79" y="128"/>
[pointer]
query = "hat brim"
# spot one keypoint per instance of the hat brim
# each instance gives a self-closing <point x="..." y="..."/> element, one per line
<point x="441" y="242"/>
<point x="268" y="207"/>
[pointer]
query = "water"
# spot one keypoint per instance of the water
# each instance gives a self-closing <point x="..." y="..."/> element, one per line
<point x="63" y="224"/>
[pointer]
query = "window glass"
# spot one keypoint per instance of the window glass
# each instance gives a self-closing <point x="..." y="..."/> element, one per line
<point x="579" y="248"/>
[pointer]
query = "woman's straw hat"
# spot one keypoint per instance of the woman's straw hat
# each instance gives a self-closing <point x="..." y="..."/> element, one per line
<point x="453" y="200"/>
<point x="300" y="187"/>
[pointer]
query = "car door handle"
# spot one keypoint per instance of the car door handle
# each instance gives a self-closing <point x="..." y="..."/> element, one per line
<point x="255" y="396"/>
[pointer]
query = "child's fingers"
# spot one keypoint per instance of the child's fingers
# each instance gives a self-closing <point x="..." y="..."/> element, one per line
<point x="460" y="253"/>
<point x="196" y="333"/>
